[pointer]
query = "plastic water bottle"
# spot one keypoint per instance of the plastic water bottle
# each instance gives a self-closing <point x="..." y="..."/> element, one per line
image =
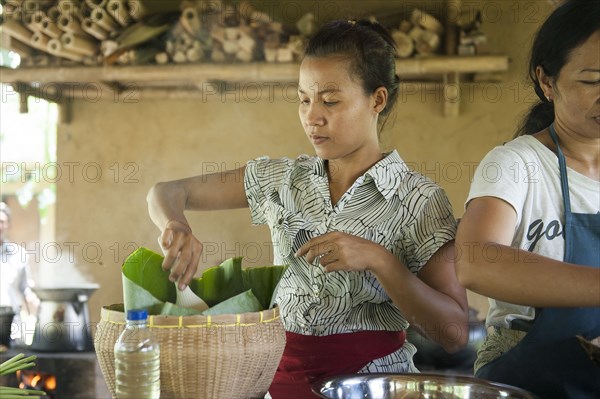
<point x="137" y="359"/>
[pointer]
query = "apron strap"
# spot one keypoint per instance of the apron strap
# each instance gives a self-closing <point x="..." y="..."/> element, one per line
<point x="564" y="181"/>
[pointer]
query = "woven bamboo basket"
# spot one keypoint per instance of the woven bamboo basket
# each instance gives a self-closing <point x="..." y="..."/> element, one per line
<point x="222" y="356"/>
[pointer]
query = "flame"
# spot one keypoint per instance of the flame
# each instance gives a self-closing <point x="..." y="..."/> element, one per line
<point x="36" y="380"/>
<point x="50" y="384"/>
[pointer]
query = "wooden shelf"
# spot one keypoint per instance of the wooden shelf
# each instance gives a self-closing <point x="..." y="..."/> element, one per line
<point x="189" y="80"/>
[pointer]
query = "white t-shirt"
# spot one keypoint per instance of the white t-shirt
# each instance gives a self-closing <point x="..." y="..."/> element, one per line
<point x="525" y="173"/>
<point x="14" y="275"/>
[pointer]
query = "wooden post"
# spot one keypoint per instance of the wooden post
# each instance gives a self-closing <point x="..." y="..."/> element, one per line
<point x="452" y="14"/>
<point x="451" y="94"/>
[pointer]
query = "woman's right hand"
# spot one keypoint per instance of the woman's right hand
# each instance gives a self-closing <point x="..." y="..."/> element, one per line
<point x="182" y="252"/>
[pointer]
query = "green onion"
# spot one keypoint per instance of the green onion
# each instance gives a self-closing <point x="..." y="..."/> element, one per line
<point x="15" y="363"/>
<point x="9" y="391"/>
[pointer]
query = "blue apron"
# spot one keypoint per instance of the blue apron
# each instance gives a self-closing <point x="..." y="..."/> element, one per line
<point x="549" y="361"/>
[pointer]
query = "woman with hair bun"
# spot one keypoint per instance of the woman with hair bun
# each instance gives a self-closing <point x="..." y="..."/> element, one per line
<point x="532" y="221"/>
<point x="369" y="243"/>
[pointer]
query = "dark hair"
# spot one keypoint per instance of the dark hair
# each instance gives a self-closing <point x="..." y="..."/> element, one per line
<point x="569" y="26"/>
<point x="370" y="49"/>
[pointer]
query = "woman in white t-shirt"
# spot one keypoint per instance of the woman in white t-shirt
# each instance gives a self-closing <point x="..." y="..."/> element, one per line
<point x="369" y="243"/>
<point x="530" y="236"/>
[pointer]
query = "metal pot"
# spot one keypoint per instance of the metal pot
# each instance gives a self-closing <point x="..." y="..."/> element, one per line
<point x="63" y="321"/>
<point x="414" y="386"/>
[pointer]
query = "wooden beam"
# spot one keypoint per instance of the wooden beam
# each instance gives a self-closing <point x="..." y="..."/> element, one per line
<point x="254" y="72"/>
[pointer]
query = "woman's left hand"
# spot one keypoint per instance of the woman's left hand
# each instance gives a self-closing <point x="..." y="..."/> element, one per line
<point x="341" y="251"/>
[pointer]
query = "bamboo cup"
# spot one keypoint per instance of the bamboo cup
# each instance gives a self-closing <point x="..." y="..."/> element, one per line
<point x="96" y="3"/>
<point x="53" y="13"/>
<point x="70" y="24"/>
<point x="50" y="28"/>
<point x="103" y="19"/>
<point x="39" y="40"/>
<point x="119" y="11"/>
<point x="56" y="48"/>
<point x="190" y="20"/>
<point x="77" y="44"/>
<point x="94" y="30"/>
<point x="29" y="22"/>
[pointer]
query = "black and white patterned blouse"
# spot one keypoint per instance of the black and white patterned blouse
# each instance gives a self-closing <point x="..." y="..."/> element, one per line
<point x="389" y="204"/>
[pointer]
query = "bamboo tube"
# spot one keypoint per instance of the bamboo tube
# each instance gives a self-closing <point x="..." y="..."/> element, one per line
<point x="103" y="19"/>
<point x="70" y="24"/>
<point x="56" y="48"/>
<point x="39" y="40"/>
<point x="16" y="46"/>
<point x="96" y="3"/>
<point x="53" y="13"/>
<point x="426" y="21"/>
<point x="415" y="33"/>
<point x="193" y="55"/>
<point x="428" y="42"/>
<point x="85" y="12"/>
<point x="404" y="44"/>
<point x="405" y="26"/>
<point x="68" y="8"/>
<point x="17" y="30"/>
<point x="270" y="54"/>
<point x="161" y="58"/>
<point x="179" y="57"/>
<point x="16" y="15"/>
<point x="77" y="44"/>
<point x="38" y="19"/>
<point x="30" y="6"/>
<point x="138" y="9"/>
<point x="30" y="24"/>
<point x="118" y="10"/>
<point x="94" y="30"/>
<point x="50" y="28"/>
<point x="190" y="20"/>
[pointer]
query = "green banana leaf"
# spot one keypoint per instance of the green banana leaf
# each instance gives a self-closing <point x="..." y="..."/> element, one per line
<point x="171" y="309"/>
<point x="220" y="282"/>
<point x="141" y="32"/>
<point x="241" y="303"/>
<point x="263" y="281"/>
<point x="145" y="283"/>
<point x="147" y="286"/>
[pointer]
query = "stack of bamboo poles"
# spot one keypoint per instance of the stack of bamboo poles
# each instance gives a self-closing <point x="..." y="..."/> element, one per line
<point x="67" y="29"/>
<point x="420" y="35"/>
<point x="230" y="33"/>
<point x="90" y="32"/>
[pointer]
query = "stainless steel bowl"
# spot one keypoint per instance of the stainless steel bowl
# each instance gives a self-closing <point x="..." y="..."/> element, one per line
<point x="414" y="386"/>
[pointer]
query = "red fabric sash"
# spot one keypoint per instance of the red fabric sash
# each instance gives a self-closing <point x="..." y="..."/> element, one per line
<point x="308" y="358"/>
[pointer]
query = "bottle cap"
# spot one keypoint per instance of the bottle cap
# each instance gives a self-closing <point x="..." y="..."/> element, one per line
<point x="137" y="314"/>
